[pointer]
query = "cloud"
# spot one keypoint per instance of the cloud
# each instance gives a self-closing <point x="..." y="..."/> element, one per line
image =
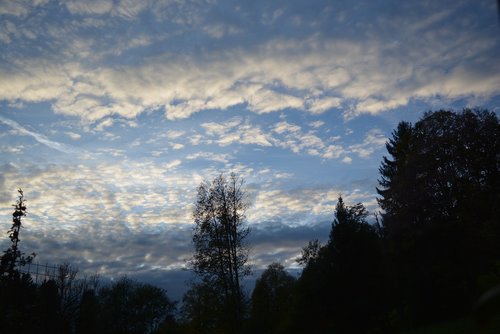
<point x="275" y="241"/>
<point x="316" y="124"/>
<point x="72" y="135"/>
<point x="374" y="139"/>
<point x="174" y="134"/>
<point x="318" y="106"/>
<point x="334" y="152"/>
<point x="92" y="7"/>
<point x="237" y="131"/>
<point x="303" y="205"/>
<point x="351" y="74"/>
<point x="217" y="157"/>
<point x="42" y="139"/>
<point x="20" y="8"/>
<point x="309" y="66"/>
<point x="347" y="160"/>
<point x="282" y="134"/>
<point x="292" y="137"/>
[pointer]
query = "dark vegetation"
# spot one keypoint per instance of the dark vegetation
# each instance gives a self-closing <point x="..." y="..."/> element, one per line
<point x="430" y="263"/>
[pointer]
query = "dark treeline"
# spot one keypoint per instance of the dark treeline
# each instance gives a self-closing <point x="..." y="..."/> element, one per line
<point x="432" y="256"/>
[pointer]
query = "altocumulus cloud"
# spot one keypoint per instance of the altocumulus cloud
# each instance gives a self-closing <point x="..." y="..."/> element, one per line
<point x="362" y="69"/>
<point x="113" y="112"/>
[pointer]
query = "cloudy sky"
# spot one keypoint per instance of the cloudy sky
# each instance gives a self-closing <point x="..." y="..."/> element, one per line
<point x="113" y="111"/>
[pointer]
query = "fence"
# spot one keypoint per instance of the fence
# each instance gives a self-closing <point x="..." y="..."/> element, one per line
<point x="39" y="272"/>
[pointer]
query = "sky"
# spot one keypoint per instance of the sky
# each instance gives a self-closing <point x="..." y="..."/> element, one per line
<point x="113" y="112"/>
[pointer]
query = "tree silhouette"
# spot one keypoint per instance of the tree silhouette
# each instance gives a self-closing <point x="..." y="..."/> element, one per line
<point x="341" y="289"/>
<point x="131" y="307"/>
<point x="17" y="291"/>
<point x="310" y="252"/>
<point x="89" y="311"/>
<point x="220" y="255"/>
<point x="272" y="299"/>
<point x="13" y="257"/>
<point x="202" y="309"/>
<point x="440" y="192"/>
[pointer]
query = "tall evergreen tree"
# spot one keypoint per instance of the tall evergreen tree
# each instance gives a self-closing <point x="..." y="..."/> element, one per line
<point x="343" y="282"/>
<point x="440" y="192"/>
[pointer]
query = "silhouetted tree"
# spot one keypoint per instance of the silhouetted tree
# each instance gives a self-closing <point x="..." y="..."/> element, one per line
<point x="13" y="257"/>
<point x="131" y="307"/>
<point x="201" y="309"/>
<point x="220" y="255"/>
<point x="440" y="192"/>
<point x="88" y="313"/>
<point x="47" y="309"/>
<point x="272" y="299"/>
<point x="70" y="292"/>
<point x="341" y="288"/>
<point x="17" y="291"/>
<point x="310" y="252"/>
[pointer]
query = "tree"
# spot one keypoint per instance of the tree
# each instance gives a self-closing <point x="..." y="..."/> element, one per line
<point x="272" y="299"/>
<point x="341" y="288"/>
<point x="131" y="307"/>
<point x="88" y="313"/>
<point x="220" y="254"/>
<point x="17" y="291"/>
<point x="440" y="192"/>
<point x="13" y="257"/>
<point x="357" y="271"/>
<point x="310" y="252"/>
<point x="202" y="307"/>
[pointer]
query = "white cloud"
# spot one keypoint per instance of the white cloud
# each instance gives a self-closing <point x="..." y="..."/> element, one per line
<point x="12" y="149"/>
<point x="20" y="8"/>
<point x="217" y="157"/>
<point x="314" y="73"/>
<point x="42" y="139"/>
<point x="302" y="206"/>
<point x="316" y="124"/>
<point x="89" y="7"/>
<point x="235" y="131"/>
<point x="177" y="146"/>
<point x="293" y="138"/>
<point x="172" y="165"/>
<point x="318" y="106"/>
<point x="333" y="152"/>
<point x="72" y="135"/>
<point x="174" y="134"/>
<point x="264" y="101"/>
<point x="347" y="160"/>
<point x="284" y="127"/>
<point x="104" y="124"/>
<point x="186" y="85"/>
<point x="374" y="140"/>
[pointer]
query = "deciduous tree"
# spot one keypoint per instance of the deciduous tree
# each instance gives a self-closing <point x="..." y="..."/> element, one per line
<point x="220" y="254"/>
<point x="272" y="300"/>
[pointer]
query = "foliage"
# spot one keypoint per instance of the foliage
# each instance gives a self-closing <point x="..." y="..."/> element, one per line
<point x="17" y="290"/>
<point x="202" y="307"/>
<point x="440" y="192"/>
<point x="424" y="265"/>
<point x="310" y="252"/>
<point x="13" y="257"/>
<point x="220" y="254"/>
<point x="342" y="284"/>
<point x="272" y="299"/>
<point x="131" y="307"/>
